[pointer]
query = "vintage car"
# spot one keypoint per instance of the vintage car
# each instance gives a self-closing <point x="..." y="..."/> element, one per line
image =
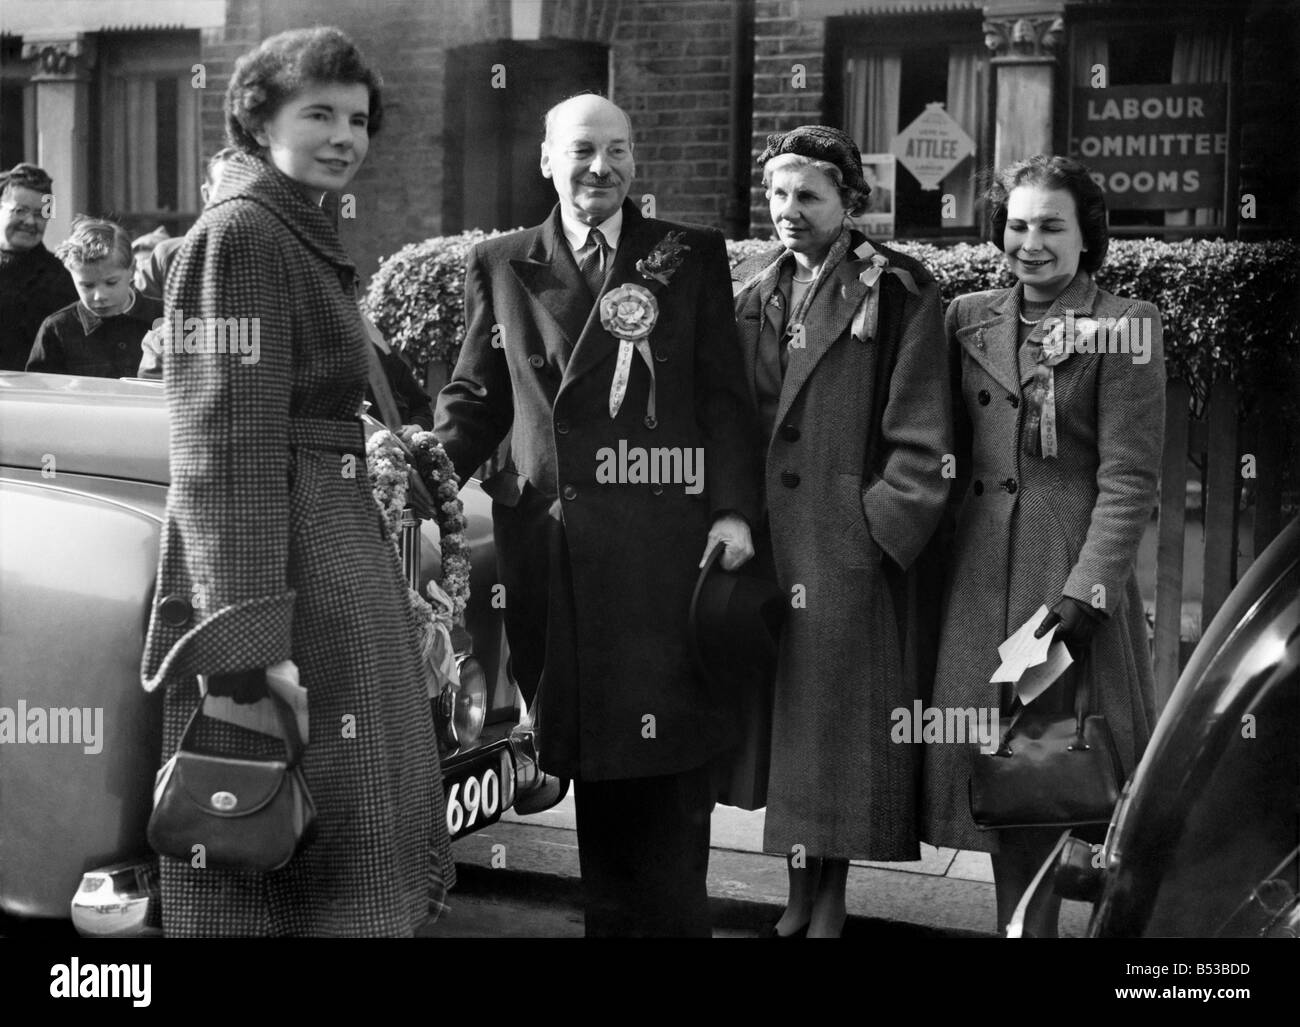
<point x="1203" y="841"/>
<point x="83" y="482"/>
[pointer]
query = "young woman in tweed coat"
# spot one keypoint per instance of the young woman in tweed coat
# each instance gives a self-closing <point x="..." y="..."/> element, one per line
<point x="1047" y="521"/>
<point x="273" y="548"/>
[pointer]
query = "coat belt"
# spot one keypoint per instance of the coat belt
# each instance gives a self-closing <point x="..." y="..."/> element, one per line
<point x="334" y="435"/>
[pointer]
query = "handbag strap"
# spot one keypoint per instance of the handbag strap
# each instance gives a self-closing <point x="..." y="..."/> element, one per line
<point x="288" y="720"/>
<point x="1082" y="689"/>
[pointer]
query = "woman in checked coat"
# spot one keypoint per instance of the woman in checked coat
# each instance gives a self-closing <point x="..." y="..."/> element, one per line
<point x="840" y="341"/>
<point x="273" y="548"/>
<point x="1048" y="518"/>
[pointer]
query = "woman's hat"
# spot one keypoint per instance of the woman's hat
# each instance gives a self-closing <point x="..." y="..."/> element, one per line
<point x="735" y="621"/>
<point x="29" y="176"/>
<point x="820" y="142"/>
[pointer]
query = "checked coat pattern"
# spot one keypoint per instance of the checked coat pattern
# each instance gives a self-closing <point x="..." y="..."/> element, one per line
<point x="598" y="575"/>
<point x="849" y="527"/>
<point x="1030" y="530"/>
<point x="273" y="540"/>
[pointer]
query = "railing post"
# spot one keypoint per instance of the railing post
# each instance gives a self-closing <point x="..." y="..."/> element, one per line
<point x="1169" y="551"/>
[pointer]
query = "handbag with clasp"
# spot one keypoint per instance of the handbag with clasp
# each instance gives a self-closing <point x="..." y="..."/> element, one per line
<point x="1052" y="769"/>
<point x="246" y="814"/>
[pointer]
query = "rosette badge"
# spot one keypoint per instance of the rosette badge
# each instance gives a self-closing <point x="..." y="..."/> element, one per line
<point x="629" y="312"/>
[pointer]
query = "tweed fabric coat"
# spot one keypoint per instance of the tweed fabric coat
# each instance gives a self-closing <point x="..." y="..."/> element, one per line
<point x="272" y="536"/>
<point x="846" y="532"/>
<point x="1031" y="530"/>
<point x="599" y="575"/>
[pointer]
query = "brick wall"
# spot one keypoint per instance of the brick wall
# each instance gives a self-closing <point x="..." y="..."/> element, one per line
<point x="784" y="36"/>
<point x="671" y="73"/>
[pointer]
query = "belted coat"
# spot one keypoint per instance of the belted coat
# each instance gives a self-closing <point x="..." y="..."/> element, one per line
<point x="598" y="574"/>
<point x="272" y="549"/>
<point x="1032" y="529"/>
<point x="854" y="487"/>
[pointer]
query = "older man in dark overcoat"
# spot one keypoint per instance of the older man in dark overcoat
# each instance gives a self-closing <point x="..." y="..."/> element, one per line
<point x="631" y="452"/>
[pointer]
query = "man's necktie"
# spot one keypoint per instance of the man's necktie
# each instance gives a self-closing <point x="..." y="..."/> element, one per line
<point x="593" y="264"/>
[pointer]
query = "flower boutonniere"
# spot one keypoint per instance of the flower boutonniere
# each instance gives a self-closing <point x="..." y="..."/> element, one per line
<point x="661" y="263"/>
<point x="1066" y="335"/>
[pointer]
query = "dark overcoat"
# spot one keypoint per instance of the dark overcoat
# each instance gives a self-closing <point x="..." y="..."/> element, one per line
<point x="599" y="574"/>
<point x="33" y="285"/>
<point x="273" y="549"/>
<point x="1032" y="529"/>
<point x="847" y="527"/>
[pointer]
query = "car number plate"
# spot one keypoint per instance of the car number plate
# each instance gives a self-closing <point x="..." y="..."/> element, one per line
<point x="479" y="792"/>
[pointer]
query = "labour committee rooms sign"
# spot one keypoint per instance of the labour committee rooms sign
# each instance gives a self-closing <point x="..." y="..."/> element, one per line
<point x="1153" y="147"/>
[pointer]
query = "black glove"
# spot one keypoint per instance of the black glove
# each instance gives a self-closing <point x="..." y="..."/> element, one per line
<point x="1077" y="623"/>
<point x="244" y="686"/>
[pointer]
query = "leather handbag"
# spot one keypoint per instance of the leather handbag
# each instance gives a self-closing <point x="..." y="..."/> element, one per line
<point x="247" y="814"/>
<point x="1052" y="769"/>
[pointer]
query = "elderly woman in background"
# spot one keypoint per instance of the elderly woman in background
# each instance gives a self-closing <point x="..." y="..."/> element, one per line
<point x="272" y="551"/>
<point x="1058" y="448"/>
<point x="841" y="340"/>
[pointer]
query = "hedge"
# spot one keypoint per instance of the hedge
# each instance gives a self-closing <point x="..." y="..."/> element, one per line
<point x="1228" y="308"/>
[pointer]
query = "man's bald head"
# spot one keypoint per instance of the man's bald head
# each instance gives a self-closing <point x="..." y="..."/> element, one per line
<point x="582" y="105"/>
<point x="587" y="154"/>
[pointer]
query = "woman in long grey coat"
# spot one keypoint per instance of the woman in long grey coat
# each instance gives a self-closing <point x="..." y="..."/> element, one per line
<point x="273" y="548"/>
<point x="1058" y="449"/>
<point x="840" y="340"/>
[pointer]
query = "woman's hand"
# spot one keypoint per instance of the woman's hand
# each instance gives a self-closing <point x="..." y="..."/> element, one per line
<point x="1077" y="624"/>
<point x="732" y="531"/>
<point x="244" y="686"/>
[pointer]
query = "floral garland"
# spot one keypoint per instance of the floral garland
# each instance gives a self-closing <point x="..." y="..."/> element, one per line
<point x="388" y="464"/>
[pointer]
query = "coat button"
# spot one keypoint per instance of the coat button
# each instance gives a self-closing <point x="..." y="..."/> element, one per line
<point x="658" y="490"/>
<point x="536" y="360"/>
<point x="790" y="433"/>
<point x="984" y="397"/>
<point x="1008" y="486"/>
<point x="978" y="487"/>
<point x="175" y="611"/>
<point x="789" y="479"/>
<point x="562" y="427"/>
<point x="121" y="345"/>
<point x="570" y="492"/>
<point x="1014" y="401"/>
<point x="651" y="422"/>
<point x="661" y="358"/>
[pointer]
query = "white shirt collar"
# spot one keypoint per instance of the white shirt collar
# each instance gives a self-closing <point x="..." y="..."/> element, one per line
<point x="576" y="232"/>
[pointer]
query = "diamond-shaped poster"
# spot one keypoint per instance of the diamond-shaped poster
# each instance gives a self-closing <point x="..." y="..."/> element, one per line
<point x="932" y="145"/>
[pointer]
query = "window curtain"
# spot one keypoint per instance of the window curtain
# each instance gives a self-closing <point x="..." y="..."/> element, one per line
<point x="141" y="144"/>
<point x="132" y="147"/>
<point x="871" y="100"/>
<point x="967" y="85"/>
<point x="1199" y="57"/>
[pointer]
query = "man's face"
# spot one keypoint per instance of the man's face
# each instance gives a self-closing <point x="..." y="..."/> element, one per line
<point x="589" y="158"/>
<point x="22" y="212"/>
<point x="104" y="286"/>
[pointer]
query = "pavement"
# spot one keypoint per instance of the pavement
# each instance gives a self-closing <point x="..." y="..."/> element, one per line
<point x="534" y="859"/>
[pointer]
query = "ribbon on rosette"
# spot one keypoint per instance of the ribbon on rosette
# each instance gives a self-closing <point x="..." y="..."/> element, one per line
<point x="1061" y="337"/>
<point x="867" y="319"/>
<point x="630" y="313"/>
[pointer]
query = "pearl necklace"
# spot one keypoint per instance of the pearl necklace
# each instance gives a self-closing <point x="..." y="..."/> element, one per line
<point x="802" y="281"/>
<point x="1032" y="324"/>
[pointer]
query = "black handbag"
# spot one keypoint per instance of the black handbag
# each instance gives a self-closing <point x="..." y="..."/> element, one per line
<point x="246" y="814"/>
<point x="1052" y="769"/>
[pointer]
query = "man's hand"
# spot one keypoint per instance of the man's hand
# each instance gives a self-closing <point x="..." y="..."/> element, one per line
<point x="732" y="531"/>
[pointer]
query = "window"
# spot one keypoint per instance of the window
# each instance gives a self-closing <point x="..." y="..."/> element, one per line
<point x="888" y="79"/>
<point x="1149" y="114"/>
<point x="149" y="165"/>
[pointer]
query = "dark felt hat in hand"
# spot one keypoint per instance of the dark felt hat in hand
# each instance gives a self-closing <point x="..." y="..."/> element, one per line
<point x="735" y="622"/>
<point x="820" y="142"/>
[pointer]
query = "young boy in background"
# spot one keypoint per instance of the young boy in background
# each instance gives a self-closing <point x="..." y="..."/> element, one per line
<point x="99" y="335"/>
